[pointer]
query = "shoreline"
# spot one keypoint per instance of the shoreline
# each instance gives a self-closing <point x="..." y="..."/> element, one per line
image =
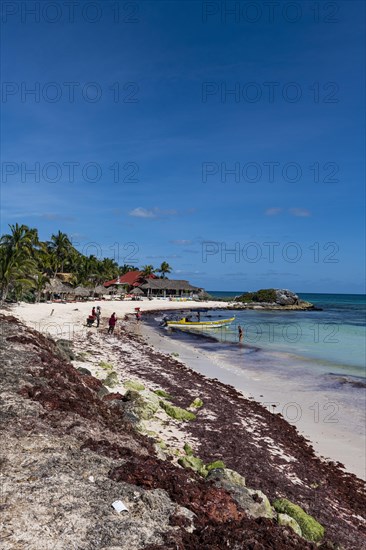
<point x="306" y="411"/>
<point x="332" y="440"/>
<point x="272" y="456"/>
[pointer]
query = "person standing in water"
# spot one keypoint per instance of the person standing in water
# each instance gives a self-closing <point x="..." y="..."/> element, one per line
<point x="112" y="323"/>
<point x="98" y="315"/>
<point x="240" y="333"/>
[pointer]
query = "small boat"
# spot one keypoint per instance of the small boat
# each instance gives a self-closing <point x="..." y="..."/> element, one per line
<point x="183" y="323"/>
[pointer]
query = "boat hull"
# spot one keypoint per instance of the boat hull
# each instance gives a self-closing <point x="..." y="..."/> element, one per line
<point x="200" y="324"/>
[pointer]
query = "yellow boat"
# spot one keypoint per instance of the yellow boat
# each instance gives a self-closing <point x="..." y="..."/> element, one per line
<point x="183" y="323"/>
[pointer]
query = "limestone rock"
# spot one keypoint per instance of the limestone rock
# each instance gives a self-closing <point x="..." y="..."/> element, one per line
<point x="143" y="404"/>
<point x="227" y="476"/>
<point x="112" y="380"/>
<point x="64" y="348"/>
<point x="286" y="297"/>
<point x="311" y="529"/>
<point x="83" y="370"/>
<point x="285" y="519"/>
<point x="255" y="503"/>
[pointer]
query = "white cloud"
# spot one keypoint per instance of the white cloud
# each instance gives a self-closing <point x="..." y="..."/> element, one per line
<point x="300" y="212"/>
<point x="273" y="211"/>
<point x="151" y="213"/>
<point x="183" y="242"/>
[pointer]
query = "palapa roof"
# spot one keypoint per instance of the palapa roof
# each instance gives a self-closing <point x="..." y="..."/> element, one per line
<point x="56" y="286"/>
<point x="100" y="289"/>
<point x="168" y="284"/>
<point x="137" y="290"/>
<point x="81" y="291"/>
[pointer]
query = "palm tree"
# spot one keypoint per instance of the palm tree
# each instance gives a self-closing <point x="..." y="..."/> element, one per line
<point x="60" y="247"/>
<point x="147" y="270"/>
<point x="40" y="280"/>
<point x="17" y="265"/>
<point x="125" y="268"/>
<point x="164" y="269"/>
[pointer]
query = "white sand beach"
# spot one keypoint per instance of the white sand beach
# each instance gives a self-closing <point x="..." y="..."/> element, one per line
<point x="332" y="440"/>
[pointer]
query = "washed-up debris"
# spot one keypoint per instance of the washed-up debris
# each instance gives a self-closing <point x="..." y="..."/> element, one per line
<point x="119" y="506"/>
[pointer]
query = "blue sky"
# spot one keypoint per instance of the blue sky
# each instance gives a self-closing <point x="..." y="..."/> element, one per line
<point x="178" y="133"/>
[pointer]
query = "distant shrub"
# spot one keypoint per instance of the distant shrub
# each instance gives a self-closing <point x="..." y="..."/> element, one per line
<point x="263" y="295"/>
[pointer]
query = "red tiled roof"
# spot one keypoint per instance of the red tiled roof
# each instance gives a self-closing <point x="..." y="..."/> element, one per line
<point x="131" y="278"/>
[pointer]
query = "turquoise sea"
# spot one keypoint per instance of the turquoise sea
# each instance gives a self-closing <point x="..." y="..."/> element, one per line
<point x="310" y="362"/>
<point x="330" y="342"/>
<point x="337" y="334"/>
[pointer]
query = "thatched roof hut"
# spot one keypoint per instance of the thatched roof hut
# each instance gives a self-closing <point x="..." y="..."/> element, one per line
<point x="81" y="291"/>
<point x="137" y="291"/>
<point x="100" y="290"/>
<point x="55" y="286"/>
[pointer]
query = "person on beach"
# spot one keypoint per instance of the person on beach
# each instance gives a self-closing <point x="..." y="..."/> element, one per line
<point x="93" y="313"/>
<point x="112" y="323"/>
<point x="98" y="315"/>
<point x="240" y="333"/>
<point x="138" y="316"/>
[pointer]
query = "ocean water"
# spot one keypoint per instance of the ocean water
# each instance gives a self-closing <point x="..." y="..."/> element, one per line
<point x="310" y="365"/>
<point x="328" y="343"/>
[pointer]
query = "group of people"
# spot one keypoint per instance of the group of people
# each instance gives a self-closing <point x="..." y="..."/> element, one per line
<point x="97" y="313"/>
<point x="94" y="316"/>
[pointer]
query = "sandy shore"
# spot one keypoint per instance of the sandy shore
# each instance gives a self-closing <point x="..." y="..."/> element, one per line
<point x="332" y="440"/>
<point x="301" y="408"/>
<point x="71" y="423"/>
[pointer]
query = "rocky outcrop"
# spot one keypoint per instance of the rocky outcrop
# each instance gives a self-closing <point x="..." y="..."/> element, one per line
<point x="272" y="299"/>
<point x="68" y="453"/>
<point x="310" y="528"/>
<point x="254" y="502"/>
<point x="286" y="298"/>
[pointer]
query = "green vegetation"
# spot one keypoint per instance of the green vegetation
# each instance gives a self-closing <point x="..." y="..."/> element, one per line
<point x="176" y="412"/>
<point x="105" y="366"/>
<point x="188" y="449"/>
<point x="133" y="385"/>
<point x="162" y="393"/>
<point x="310" y="528"/>
<point x="217" y="464"/>
<point x="196" y="404"/>
<point x="263" y="295"/>
<point x="112" y="380"/>
<point x="27" y="265"/>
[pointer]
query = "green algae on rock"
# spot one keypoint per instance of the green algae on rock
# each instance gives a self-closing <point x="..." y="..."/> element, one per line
<point x="188" y="449"/>
<point x="254" y="502"/>
<point x="288" y="521"/>
<point x="105" y="366"/>
<point x="216" y="465"/>
<point x="176" y="412"/>
<point x="196" y="404"/>
<point x="112" y="380"/>
<point x="162" y="393"/>
<point x="193" y="463"/>
<point x="133" y="385"/>
<point x="311" y="529"/>
<point x="143" y="404"/>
